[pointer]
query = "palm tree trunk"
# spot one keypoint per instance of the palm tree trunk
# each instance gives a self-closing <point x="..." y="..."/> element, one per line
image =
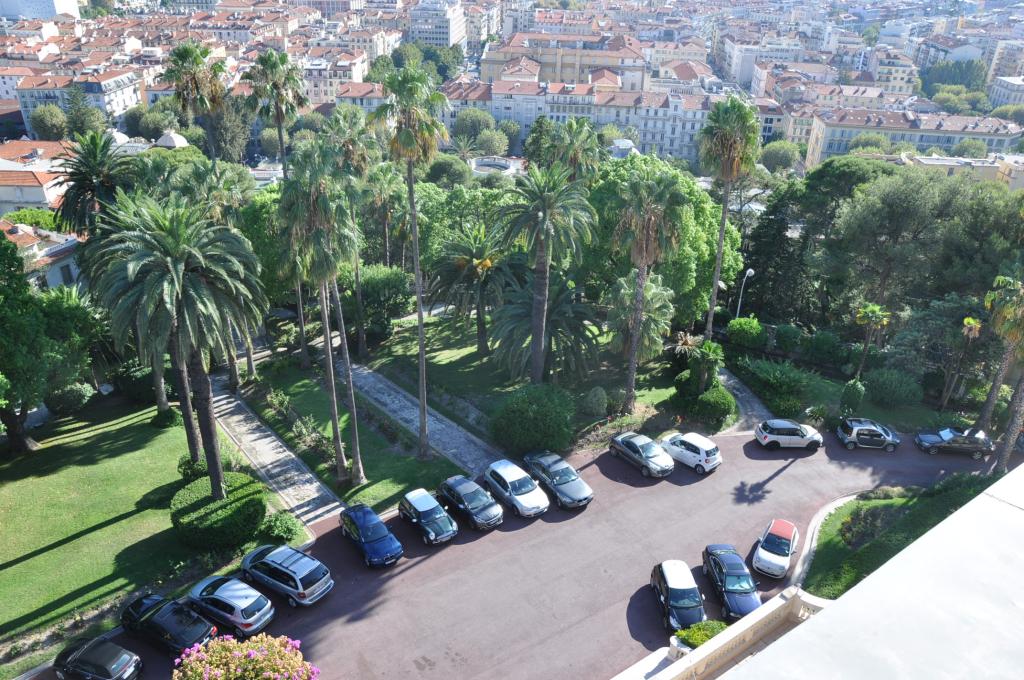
<point x="339" y="448"/>
<point x="410" y="183"/>
<point x="157" y="367"/>
<point x="185" y="400"/>
<point x="13" y="421"/>
<point x="1013" y="429"/>
<point x="634" y="338"/>
<point x="481" y="324"/>
<point x="250" y="362"/>
<point x="358" y="475"/>
<point x="280" y="142"/>
<point x="387" y="243"/>
<point x="203" y="394"/>
<point x="863" y="354"/>
<point x="541" y="271"/>
<point x="985" y="417"/>
<point x="360" y="313"/>
<point x="303" y="348"/>
<point x="233" y="377"/>
<point x="709" y="325"/>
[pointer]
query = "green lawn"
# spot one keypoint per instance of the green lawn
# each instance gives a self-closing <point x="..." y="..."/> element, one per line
<point x="390" y="472"/>
<point x="84" y="518"/>
<point x="908" y="418"/>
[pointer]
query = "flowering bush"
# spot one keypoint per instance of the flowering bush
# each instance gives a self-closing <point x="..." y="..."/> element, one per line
<point x="262" y="656"/>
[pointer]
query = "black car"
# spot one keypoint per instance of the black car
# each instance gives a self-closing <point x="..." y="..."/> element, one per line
<point x="96" y="659"/>
<point x="731" y="580"/>
<point x="472" y="501"/>
<point x="168" y="623"/>
<point x="972" y="442"/>
<point x="682" y="603"/>
<point x="422" y="510"/>
<point x="375" y="541"/>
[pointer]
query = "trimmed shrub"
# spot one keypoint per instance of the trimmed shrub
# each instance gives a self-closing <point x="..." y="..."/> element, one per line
<point x="596" y="402"/>
<point x="69" y="399"/>
<point x="135" y="382"/>
<point x="714" y="406"/>
<point x="205" y="523"/>
<point x="686" y="384"/>
<point x="722" y="317"/>
<point x="281" y="526"/>
<point x="889" y="387"/>
<point x="169" y="418"/>
<point x="261" y="656"/>
<point x="884" y="493"/>
<point x="824" y="347"/>
<point x="230" y="461"/>
<point x="784" y="406"/>
<point x="535" y="417"/>
<point x="774" y="378"/>
<point x="746" y="332"/>
<point x="699" y="633"/>
<point x="616" y="398"/>
<point x="852" y="396"/>
<point x="787" y="337"/>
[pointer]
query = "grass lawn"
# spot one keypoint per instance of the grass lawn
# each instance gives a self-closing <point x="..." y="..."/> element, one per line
<point x="84" y="518"/>
<point x="391" y="473"/>
<point x="908" y="418"/>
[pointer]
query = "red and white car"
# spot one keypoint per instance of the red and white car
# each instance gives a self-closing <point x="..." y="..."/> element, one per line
<point x="775" y="548"/>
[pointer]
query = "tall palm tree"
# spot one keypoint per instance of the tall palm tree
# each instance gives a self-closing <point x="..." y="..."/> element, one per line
<point x="650" y="226"/>
<point x="179" y="279"/>
<point x="873" y="317"/>
<point x="313" y="208"/>
<point x="657" y="318"/>
<point x="412" y="109"/>
<point x="278" y="92"/>
<point x="577" y="146"/>
<point x="383" y="188"/>
<point x="198" y="85"/>
<point x="465" y="276"/>
<point x="1006" y="303"/>
<point x="92" y="171"/>
<point x="1013" y="428"/>
<point x="551" y="215"/>
<point x="729" y="144"/>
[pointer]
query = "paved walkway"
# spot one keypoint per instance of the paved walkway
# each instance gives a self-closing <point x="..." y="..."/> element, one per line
<point x="752" y="409"/>
<point x="305" y="495"/>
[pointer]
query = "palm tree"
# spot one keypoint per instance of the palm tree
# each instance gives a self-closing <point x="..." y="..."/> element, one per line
<point x="873" y="317"/>
<point x="383" y="192"/>
<point x="313" y="207"/>
<point x="465" y="276"/>
<point x="1006" y="303"/>
<point x="649" y="227"/>
<point x="92" y="171"/>
<point x="167" y="272"/>
<point x="709" y="358"/>
<point x="153" y="175"/>
<point x="278" y="92"/>
<point x="412" y="109"/>
<point x="465" y="148"/>
<point x="1013" y="428"/>
<point x="198" y="84"/>
<point x="551" y="214"/>
<point x="657" y="317"/>
<point x="729" y="144"/>
<point x="577" y="146"/>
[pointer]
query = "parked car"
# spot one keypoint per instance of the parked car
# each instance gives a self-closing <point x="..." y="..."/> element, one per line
<point x="973" y="442"/>
<point x="166" y="623"/>
<point x="375" y="541"/>
<point x="682" y="603"/>
<point x="775" y="548"/>
<point x="643" y="452"/>
<point x="868" y="434"/>
<point x="289" y="572"/>
<point x="239" y="608"/>
<point x="693" y="450"/>
<point x="731" y="580"/>
<point x="97" y="659"/>
<point x="511" y="484"/>
<point x="422" y="510"/>
<point x="778" y="433"/>
<point x="472" y="500"/>
<point x="560" y="479"/>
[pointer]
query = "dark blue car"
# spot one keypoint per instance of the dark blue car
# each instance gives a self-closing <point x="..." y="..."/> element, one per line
<point x="731" y="580"/>
<point x="365" y="528"/>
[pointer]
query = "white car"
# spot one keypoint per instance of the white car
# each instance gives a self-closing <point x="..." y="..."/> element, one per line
<point x="693" y="450"/>
<point x="518" y="490"/>
<point x="775" y="548"/>
<point x="778" y="433"/>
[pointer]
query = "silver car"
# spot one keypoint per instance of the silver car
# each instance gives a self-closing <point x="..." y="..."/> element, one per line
<point x="289" y="572"/>
<point x="560" y="479"/>
<point x="236" y="606"/>
<point x="643" y="452"/>
<point x="518" y="490"/>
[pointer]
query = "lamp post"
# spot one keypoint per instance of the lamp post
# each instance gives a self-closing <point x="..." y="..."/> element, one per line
<point x="739" y="304"/>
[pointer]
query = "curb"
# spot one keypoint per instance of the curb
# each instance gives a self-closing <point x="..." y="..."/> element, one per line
<point x="813" y="529"/>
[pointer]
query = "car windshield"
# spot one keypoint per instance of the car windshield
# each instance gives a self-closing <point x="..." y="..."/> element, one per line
<point x="476" y="499"/>
<point x="254" y="607"/>
<point x="684" y="597"/>
<point x="946" y="434"/>
<point x="563" y="474"/>
<point x="430" y="514"/>
<point x="739" y="583"/>
<point x="776" y="544"/>
<point x="314" y="576"/>
<point x="713" y="451"/>
<point x="120" y="664"/>
<point x="522" y="485"/>
<point x="803" y="430"/>
<point x="374" y="532"/>
<point x="885" y="431"/>
<point x="651" y="450"/>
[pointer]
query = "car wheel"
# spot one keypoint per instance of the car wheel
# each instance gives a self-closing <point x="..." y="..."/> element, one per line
<point x="366" y="561"/>
<point x="615" y="454"/>
<point x="850" y="446"/>
<point x="560" y="503"/>
<point x="246" y="576"/>
<point x="704" y="569"/>
<point x="645" y="472"/>
<point x="515" y="509"/>
<point x="772" y="446"/>
<point x="60" y="675"/>
<point x="699" y="469"/>
<point x="725" y="612"/>
<point x="668" y="626"/>
<point x="426" y="541"/>
<point x="932" y="450"/>
<point x="813" y="446"/>
<point x="238" y="633"/>
<point x="977" y="455"/>
<point x="889" y="448"/>
<point x="292" y="602"/>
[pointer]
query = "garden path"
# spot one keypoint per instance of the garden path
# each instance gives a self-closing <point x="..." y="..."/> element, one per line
<point x="752" y="409"/>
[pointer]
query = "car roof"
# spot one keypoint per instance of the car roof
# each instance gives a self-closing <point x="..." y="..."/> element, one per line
<point x="781" y="422"/>
<point x="461" y="484"/>
<point x="229" y="589"/>
<point x="362" y="514"/>
<point x="100" y="652"/>
<point x="507" y="469"/>
<point x="638" y="438"/>
<point x="677" y="574"/>
<point x="295" y="561"/>
<point x="421" y="499"/>
<point x="861" y="422"/>
<point x="733" y="563"/>
<point x="782" y="528"/>
<point x="544" y="458"/>
<point x="699" y="440"/>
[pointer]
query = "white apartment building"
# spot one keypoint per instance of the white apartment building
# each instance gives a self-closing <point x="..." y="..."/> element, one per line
<point x="893" y="72"/>
<point x="517" y="16"/>
<point x="10" y="76"/>
<point x="482" y="21"/>
<point x="1006" y="90"/>
<point x="323" y="75"/>
<point x="739" y="57"/>
<point x="38" y="9"/>
<point x="367" y="96"/>
<point x="373" y="41"/>
<point x="1007" y="59"/>
<point x="438" y="22"/>
<point x="112" y="92"/>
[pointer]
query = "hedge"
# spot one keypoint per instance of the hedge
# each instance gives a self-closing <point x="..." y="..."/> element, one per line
<point x="746" y="332"/>
<point x="230" y="461"/>
<point x="535" y="417"/>
<point x="136" y="383"/>
<point x="852" y="396"/>
<point x="787" y="337"/>
<point x="699" y="633"/>
<point x="890" y="387"/>
<point x="69" y="399"/>
<point x="595" y="403"/>
<point x="714" y="406"/>
<point x="209" y="524"/>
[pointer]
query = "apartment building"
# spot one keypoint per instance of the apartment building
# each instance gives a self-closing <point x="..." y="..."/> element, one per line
<point x="936" y="48"/>
<point x="10" y="76"/>
<point x="1006" y="90"/>
<point x="367" y="96"/>
<point x="517" y="16"/>
<point x="438" y="22"/>
<point x="740" y="54"/>
<point x="568" y="59"/>
<point x="892" y="71"/>
<point x="324" y="74"/>
<point x="38" y="9"/>
<point x="48" y="257"/>
<point x="113" y="92"/>
<point x="482" y="21"/>
<point x="1007" y="59"/>
<point x="373" y="41"/>
<point x="330" y="8"/>
<point x="832" y="131"/>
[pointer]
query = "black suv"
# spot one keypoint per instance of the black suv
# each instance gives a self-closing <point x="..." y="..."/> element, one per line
<point x="472" y="501"/>
<point x="864" y="433"/>
<point x="167" y="623"/>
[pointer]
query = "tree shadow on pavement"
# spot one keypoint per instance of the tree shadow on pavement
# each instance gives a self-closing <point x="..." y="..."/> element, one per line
<point x="755" y="492"/>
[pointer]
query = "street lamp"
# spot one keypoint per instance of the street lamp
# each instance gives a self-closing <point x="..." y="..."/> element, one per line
<point x="739" y="304"/>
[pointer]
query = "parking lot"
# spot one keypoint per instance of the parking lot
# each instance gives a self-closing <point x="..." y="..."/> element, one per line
<point x="566" y="594"/>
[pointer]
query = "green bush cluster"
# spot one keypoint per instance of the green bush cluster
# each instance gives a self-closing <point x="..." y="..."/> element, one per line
<point x="714" y="406"/>
<point x="616" y="398"/>
<point x="884" y="493"/>
<point x="205" y="523"/>
<point x="699" y="633"/>
<point x="851" y="396"/>
<point x="595" y="403"/>
<point x="135" y="382"/>
<point x="889" y="387"/>
<point x="775" y="377"/>
<point x="230" y="461"/>
<point x="784" y="406"/>
<point x="169" y="418"/>
<point x="535" y="417"/>
<point x="281" y="527"/>
<point x="746" y="332"/>
<point x="687" y="385"/>
<point x="70" y="398"/>
<point x="824" y="347"/>
<point x="788" y="337"/>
